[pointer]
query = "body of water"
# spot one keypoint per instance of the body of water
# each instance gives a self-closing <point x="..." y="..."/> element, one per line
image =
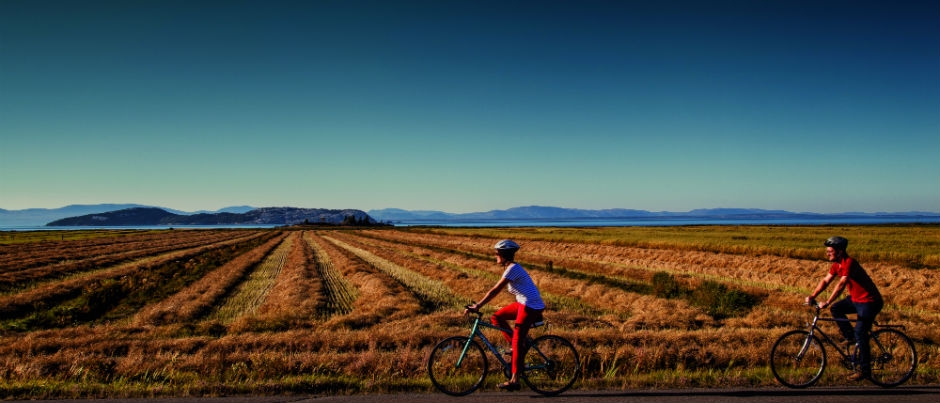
<point x="579" y="222"/>
<point x="670" y="221"/>
<point x="139" y="227"/>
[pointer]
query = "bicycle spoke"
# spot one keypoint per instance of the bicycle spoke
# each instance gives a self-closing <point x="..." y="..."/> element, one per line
<point x="456" y="367"/>
<point x="551" y="365"/>
<point x="797" y="359"/>
<point x="893" y="358"/>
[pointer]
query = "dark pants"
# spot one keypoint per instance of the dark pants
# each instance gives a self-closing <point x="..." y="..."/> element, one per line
<point x="866" y="312"/>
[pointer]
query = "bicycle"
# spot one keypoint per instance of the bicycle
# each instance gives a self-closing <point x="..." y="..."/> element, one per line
<point x="458" y="366"/>
<point x="798" y="358"/>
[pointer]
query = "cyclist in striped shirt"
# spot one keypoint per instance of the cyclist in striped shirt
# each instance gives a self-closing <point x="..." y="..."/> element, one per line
<point x="524" y="312"/>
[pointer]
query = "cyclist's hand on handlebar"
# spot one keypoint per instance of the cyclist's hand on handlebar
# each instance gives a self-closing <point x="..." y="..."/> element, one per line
<point x="813" y="303"/>
<point x="471" y="309"/>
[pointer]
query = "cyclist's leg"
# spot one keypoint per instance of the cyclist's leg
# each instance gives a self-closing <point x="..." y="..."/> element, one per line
<point x="866" y="318"/>
<point x="840" y="310"/>
<point x="502" y="317"/>
<point x="524" y="320"/>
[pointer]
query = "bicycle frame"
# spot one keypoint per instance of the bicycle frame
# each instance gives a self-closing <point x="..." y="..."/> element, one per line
<point x="476" y="332"/>
<point x="457" y="365"/>
<point x="798" y="357"/>
<point x="813" y="327"/>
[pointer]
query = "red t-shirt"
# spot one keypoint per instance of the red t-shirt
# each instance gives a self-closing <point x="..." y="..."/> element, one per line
<point x="861" y="287"/>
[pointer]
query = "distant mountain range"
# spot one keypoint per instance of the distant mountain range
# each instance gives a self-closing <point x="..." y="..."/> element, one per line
<point x="139" y="216"/>
<point x="557" y="213"/>
<point x="85" y="215"/>
<point x="40" y="216"/>
<point x="136" y="214"/>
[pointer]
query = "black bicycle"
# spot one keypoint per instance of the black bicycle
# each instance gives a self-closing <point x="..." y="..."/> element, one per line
<point x="798" y="358"/>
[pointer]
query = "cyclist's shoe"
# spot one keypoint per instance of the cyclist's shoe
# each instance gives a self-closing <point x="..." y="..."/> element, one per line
<point x="509" y="386"/>
<point x="858" y="376"/>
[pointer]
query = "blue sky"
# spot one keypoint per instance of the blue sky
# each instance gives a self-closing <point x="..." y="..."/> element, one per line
<point x="822" y="106"/>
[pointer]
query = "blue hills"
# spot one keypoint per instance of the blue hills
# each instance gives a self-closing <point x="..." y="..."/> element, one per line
<point x="41" y="217"/>
<point x="153" y="216"/>
<point x="559" y="213"/>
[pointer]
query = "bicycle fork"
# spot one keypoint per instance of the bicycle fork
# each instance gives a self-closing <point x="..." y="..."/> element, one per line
<point x="809" y="340"/>
<point x="466" y="346"/>
<point x="474" y="333"/>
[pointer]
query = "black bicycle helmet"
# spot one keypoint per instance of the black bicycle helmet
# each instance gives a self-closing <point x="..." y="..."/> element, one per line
<point x="837" y="242"/>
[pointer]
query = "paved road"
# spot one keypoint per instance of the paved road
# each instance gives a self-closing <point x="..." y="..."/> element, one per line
<point x="904" y="394"/>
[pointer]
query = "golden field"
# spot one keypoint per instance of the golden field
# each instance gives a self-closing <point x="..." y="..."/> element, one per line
<point x="307" y="310"/>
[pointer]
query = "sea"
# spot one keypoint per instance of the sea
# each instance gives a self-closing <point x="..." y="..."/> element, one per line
<point x="128" y="227"/>
<point x="673" y="221"/>
<point x="579" y="222"/>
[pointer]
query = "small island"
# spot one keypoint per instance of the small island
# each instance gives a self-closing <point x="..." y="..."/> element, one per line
<point x="145" y="216"/>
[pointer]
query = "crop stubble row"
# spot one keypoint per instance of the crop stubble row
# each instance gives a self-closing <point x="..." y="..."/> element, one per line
<point x="332" y="312"/>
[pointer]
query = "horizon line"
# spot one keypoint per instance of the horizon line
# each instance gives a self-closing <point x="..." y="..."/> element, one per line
<point x="756" y="209"/>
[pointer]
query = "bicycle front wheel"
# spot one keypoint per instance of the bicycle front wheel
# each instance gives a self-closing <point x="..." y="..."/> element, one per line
<point x="893" y="358"/>
<point x="551" y="365"/>
<point x="797" y="359"/>
<point x="454" y="371"/>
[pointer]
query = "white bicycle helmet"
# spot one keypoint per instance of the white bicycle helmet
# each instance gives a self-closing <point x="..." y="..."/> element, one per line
<point x="507" y="245"/>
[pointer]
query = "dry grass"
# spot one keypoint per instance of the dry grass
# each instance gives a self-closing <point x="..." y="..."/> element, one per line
<point x="433" y="293"/>
<point x="348" y="312"/>
<point x="197" y="299"/>
<point x="251" y="293"/>
<point x="21" y="266"/>
<point x="339" y="293"/>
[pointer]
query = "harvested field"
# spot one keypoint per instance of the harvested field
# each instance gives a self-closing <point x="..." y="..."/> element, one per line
<point x="311" y="310"/>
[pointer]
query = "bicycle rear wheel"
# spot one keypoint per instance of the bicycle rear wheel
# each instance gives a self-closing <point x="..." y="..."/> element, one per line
<point x="893" y="358"/>
<point x="453" y="372"/>
<point x="551" y="365"/>
<point x="797" y="359"/>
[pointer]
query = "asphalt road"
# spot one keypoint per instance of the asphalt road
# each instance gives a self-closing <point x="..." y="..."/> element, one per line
<point x="904" y="394"/>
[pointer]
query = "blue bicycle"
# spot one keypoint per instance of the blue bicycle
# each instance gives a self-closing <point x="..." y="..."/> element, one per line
<point x="458" y="365"/>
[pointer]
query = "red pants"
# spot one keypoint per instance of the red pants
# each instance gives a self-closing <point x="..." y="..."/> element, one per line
<point x="524" y="317"/>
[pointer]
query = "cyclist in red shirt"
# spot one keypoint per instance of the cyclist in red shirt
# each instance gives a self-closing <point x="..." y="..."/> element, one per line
<point x="864" y="300"/>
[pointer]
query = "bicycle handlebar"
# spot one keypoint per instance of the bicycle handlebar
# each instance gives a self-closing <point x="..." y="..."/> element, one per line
<point x="472" y="311"/>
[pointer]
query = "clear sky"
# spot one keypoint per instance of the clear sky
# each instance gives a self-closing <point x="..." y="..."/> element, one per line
<point x="465" y="106"/>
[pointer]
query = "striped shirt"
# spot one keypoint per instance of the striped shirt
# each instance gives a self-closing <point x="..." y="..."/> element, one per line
<point x="521" y="285"/>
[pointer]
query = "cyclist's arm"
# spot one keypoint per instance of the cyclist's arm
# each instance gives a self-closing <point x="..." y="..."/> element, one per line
<point x="836" y="292"/>
<point x="820" y="288"/>
<point x="491" y="294"/>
